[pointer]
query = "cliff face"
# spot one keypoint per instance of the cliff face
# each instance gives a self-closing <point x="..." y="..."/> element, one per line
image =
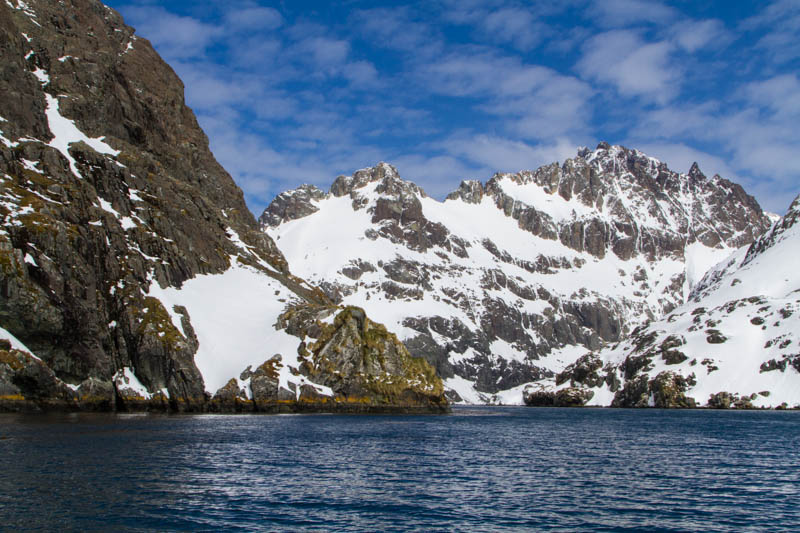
<point x="113" y="208"/>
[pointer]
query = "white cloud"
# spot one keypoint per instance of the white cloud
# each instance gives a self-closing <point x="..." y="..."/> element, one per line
<point x="257" y="51"/>
<point x="694" y="35"/>
<point x="634" y="67"/>
<point x="506" y="155"/>
<point x="361" y="73"/>
<point x="779" y="25"/>
<point x="514" y="25"/>
<point x="621" y="13"/>
<point x="677" y="121"/>
<point x="781" y="94"/>
<point x="174" y="36"/>
<point x="531" y="101"/>
<point x="398" y="121"/>
<point x="467" y="11"/>
<point x="209" y="86"/>
<point x="253" y="18"/>
<point x="469" y="72"/>
<point x="396" y="28"/>
<point x="557" y="107"/>
<point x="523" y="25"/>
<point x="323" y="52"/>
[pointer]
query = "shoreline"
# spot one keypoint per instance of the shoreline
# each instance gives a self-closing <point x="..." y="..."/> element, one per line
<point x="27" y="406"/>
<point x="44" y="407"/>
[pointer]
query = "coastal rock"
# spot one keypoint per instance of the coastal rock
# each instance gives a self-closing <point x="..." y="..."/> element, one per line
<point x="537" y="397"/>
<point x="669" y="391"/>
<point x="634" y="393"/>
<point x="230" y="398"/>
<point x="572" y="397"/>
<point x="366" y="367"/>
<point x="534" y="396"/>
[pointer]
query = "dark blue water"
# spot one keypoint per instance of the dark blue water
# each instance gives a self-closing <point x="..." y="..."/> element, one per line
<point x="485" y="469"/>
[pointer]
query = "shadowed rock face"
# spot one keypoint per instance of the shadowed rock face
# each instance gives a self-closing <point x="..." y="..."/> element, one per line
<point x="611" y="205"/>
<point x="108" y="187"/>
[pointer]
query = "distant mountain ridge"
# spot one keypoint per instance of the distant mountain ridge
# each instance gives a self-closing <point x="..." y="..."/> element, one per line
<point x="508" y="282"/>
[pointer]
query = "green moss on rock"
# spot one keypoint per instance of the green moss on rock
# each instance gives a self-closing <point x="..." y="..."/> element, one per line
<point x="360" y="359"/>
<point x="154" y="320"/>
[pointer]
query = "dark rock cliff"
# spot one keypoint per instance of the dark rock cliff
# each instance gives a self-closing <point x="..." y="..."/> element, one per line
<point x="107" y="187"/>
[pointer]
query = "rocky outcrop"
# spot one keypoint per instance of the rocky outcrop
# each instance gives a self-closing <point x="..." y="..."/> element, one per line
<point x="469" y="191"/>
<point x="367" y="366"/>
<point x="109" y="196"/>
<point x="566" y="397"/>
<point x="589" y="371"/>
<point x="291" y="205"/>
<point x="727" y="400"/>
<point x="27" y="383"/>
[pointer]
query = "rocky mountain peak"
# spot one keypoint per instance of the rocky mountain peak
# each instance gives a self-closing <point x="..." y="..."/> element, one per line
<point x="695" y="173"/>
<point x="620" y="162"/>
<point x="469" y="191"/>
<point x="291" y="205"/>
<point x="794" y="208"/>
<point x="622" y="201"/>
<point x="382" y="172"/>
<point x="784" y="228"/>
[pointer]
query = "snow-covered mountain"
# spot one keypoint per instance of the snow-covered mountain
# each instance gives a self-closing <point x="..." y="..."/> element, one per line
<point x="735" y="341"/>
<point x="509" y="282"/>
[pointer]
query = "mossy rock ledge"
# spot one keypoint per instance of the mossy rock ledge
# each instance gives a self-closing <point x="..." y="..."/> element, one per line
<point x="367" y="367"/>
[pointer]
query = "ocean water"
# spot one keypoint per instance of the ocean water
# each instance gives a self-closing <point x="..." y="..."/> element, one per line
<point x="479" y="469"/>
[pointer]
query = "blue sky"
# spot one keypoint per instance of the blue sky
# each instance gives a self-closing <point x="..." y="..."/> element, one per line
<point x="293" y="92"/>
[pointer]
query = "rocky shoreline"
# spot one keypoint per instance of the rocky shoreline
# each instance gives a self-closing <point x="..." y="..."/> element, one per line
<point x="578" y="397"/>
<point x="10" y="404"/>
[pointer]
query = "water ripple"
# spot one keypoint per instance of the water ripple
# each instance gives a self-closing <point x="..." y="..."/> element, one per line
<point x="485" y="469"/>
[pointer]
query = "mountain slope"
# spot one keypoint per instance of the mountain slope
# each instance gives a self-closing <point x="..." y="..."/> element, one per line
<point x="132" y="273"/>
<point x="510" y="281"/>
<point x="736" y="341"/>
